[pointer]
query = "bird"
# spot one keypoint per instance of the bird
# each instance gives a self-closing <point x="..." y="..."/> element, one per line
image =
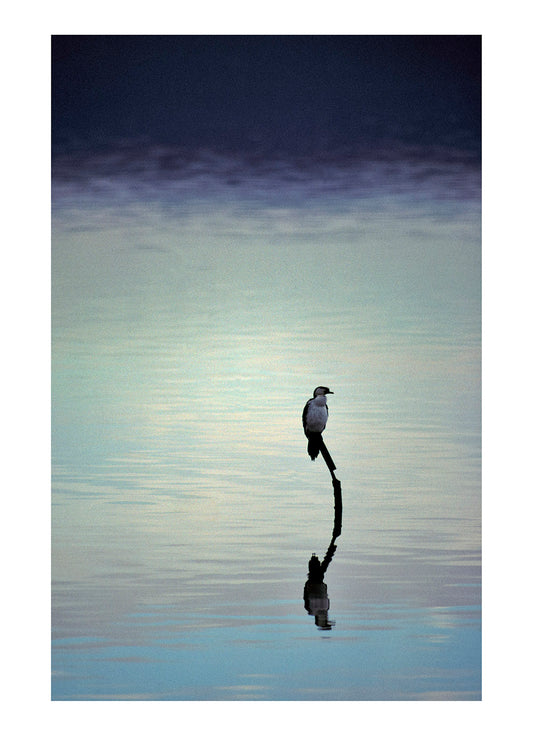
<point x="314" y="418"/>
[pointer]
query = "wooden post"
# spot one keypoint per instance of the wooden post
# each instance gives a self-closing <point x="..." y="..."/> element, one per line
<point x="327" y="458"/>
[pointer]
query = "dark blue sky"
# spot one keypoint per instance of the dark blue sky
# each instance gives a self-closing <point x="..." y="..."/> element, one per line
<point x="297" y="95"/>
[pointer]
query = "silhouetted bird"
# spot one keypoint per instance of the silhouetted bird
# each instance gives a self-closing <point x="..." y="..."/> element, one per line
<point x="314" y="418"/>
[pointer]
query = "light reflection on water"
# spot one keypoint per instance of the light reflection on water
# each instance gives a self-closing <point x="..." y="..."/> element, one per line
<point x="185" y="508"/>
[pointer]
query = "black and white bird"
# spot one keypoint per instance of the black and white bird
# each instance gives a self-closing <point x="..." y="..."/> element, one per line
<point x="314" y="418"/>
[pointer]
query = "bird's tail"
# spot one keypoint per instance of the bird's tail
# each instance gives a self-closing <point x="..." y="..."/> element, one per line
<point x="313" y="446"/>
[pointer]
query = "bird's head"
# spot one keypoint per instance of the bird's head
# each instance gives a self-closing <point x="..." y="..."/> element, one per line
<point x="321" y="390"/>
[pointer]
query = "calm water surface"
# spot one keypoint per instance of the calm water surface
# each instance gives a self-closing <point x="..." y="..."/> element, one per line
<point x="190" y="325"/>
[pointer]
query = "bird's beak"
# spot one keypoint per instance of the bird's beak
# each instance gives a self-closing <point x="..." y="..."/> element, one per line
<point x="331" y="391"/>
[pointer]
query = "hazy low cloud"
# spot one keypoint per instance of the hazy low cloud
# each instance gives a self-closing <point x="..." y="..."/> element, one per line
<point x="148" y="172"/>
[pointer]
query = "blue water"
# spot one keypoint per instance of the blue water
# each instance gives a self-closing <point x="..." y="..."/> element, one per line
<point x="191" y="321"/>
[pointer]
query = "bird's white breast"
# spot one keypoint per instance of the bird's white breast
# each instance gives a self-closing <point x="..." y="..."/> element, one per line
<point x="317" y="415"/>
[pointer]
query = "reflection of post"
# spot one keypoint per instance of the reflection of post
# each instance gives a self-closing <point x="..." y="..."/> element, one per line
<point x="316" y="598"/>
<point x="337" y="496"/>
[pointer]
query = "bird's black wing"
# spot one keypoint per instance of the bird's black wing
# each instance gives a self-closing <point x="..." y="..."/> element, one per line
<point x="304" y="415"/>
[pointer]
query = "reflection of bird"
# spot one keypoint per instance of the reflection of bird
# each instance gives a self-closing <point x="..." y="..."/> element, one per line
<point x="316" y="600"/>
<point x="314" y="418"/>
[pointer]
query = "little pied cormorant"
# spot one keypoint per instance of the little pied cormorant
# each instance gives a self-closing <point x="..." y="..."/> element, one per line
<point x="314" y="418"/>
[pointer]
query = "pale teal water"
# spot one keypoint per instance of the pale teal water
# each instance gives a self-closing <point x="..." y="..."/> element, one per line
<point x="187" y="335"/>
